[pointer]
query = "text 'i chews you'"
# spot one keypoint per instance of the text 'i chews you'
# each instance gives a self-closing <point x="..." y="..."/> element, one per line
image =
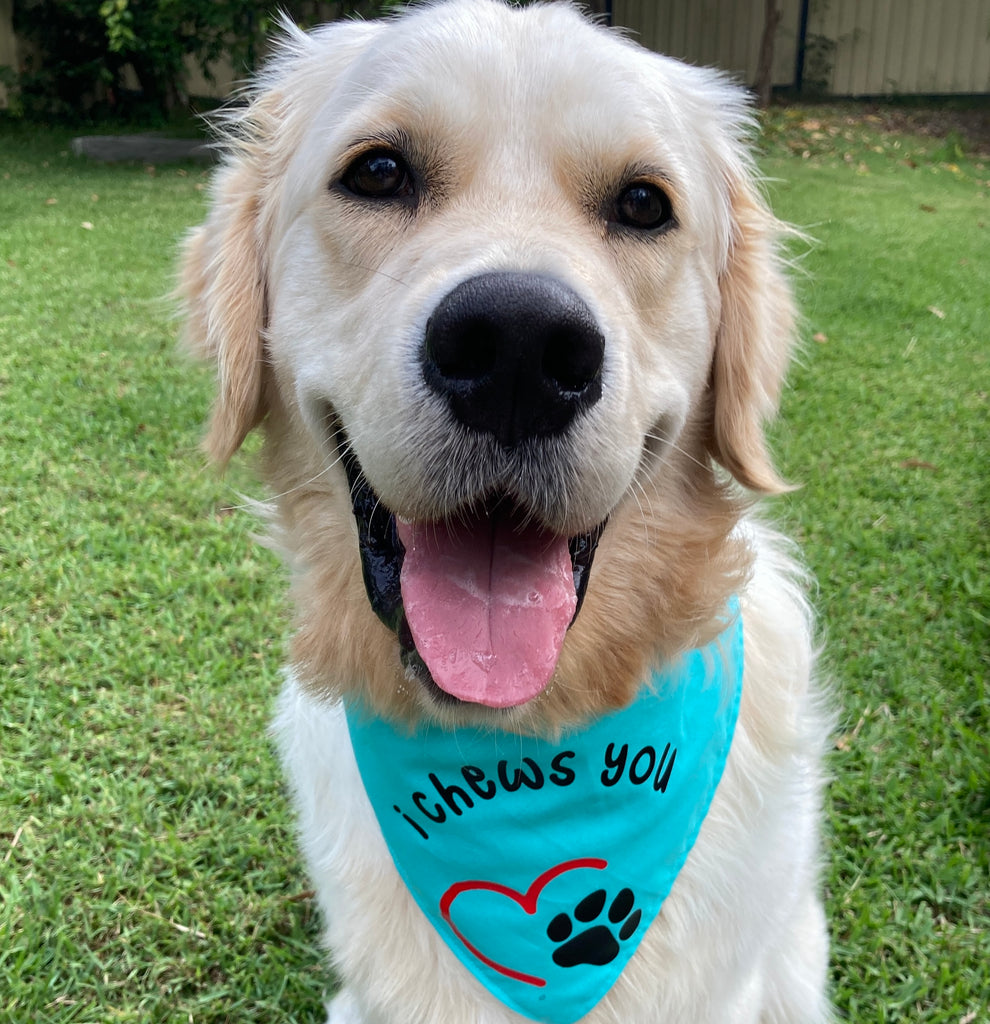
<point x="440" y="798"/>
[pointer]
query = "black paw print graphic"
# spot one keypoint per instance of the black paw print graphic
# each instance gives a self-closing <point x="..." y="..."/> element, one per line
<point x="597" y="944"/>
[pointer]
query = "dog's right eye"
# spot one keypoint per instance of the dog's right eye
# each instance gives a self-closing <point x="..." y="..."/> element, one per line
<point x="380" y="174"/>
<point x="644" y="206"/>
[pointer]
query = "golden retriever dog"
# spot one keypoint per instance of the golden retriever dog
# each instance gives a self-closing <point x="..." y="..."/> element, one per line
<point x="500" y="291"/>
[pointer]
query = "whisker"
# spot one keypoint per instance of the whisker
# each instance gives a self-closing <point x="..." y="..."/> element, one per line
<point x="675" y="447"/>
<point x="376" y="270"/>
<point x="251" y="504"/>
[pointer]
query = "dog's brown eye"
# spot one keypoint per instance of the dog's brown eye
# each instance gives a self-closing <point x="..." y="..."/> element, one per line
<point x="380" y="174"/>
<point x="644" y="206"/>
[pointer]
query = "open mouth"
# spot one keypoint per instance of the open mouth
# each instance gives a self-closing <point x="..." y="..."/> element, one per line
<point x="480" y="602"/>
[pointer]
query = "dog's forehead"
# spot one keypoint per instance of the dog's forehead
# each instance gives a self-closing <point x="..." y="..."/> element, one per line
<point x="482" y="42"/>
<point x="541" y="53"/>
<point x="543" y="77"/>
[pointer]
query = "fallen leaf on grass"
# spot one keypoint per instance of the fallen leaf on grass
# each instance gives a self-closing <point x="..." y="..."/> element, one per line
<point x="820" y="338"/>
<point x="927" y="208"/>
<point x="13" y="844"/>
<point x="50" y="202"/>
<point x="935" y="311"/>
<point x="62" y="1000"/>
<point x="184" y="929"/>
<point x="846" y="742"/>
<point x="918" y="464"/>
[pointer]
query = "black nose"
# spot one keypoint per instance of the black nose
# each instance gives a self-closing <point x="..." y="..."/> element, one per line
<point x="515" y="355"/>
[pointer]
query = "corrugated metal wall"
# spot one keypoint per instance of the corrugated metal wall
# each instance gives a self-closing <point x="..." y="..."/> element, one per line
<point x="853" y="47"/>
<point x="720" y="33"/>
<point x="905" y="46"/>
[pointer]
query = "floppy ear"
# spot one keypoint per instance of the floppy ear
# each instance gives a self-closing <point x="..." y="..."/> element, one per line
<point x="753" y="344"/>
<point x="222" y="286"/>
<point x="223" y="276"/>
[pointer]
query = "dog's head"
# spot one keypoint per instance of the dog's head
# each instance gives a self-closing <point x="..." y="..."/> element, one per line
<point x="500" y="285"/>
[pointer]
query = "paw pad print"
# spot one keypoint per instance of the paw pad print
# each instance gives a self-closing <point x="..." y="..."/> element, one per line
<point x="598" y="944"/>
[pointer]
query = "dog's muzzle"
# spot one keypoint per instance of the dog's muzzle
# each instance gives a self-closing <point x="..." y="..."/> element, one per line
<point x="481" y="600"/>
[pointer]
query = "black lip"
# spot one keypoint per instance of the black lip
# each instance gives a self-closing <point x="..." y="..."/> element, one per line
<point x="382" y="555"/>
<point x="381" y="550"/>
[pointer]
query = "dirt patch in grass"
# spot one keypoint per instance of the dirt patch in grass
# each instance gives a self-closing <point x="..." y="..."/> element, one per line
<point x="971" y="126"/>
<point x="965" y="121"/>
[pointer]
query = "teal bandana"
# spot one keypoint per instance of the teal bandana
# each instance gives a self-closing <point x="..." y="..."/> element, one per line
<point x="541" y="864"/>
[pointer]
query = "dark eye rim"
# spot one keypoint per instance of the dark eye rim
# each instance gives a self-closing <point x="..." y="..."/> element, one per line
<point x="404" y="192"/>
<point x="664" y="222"/>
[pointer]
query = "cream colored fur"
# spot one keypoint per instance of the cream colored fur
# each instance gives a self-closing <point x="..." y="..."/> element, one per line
<point x="523" y="124"/>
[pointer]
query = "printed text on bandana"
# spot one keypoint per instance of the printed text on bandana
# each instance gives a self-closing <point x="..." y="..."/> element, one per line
<point x="443" y="797"/>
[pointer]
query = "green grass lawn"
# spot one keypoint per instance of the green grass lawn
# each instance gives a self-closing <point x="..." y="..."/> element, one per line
<point x="147" y="863"/>
<point x="886" y="425"/>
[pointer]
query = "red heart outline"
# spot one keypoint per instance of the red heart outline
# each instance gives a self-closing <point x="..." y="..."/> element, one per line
<point x="526" y="900"/>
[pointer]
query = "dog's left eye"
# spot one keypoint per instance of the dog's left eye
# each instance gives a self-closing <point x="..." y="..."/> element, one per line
<point x="380" y="174"/>
<point x="644" y="206"/>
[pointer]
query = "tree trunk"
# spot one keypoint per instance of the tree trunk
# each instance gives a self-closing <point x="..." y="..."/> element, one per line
<point x="160" y="86"/>
<point x="764" y="65"/>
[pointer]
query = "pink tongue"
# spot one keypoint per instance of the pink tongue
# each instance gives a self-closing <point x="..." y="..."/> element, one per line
<point x="488" y="605"/>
